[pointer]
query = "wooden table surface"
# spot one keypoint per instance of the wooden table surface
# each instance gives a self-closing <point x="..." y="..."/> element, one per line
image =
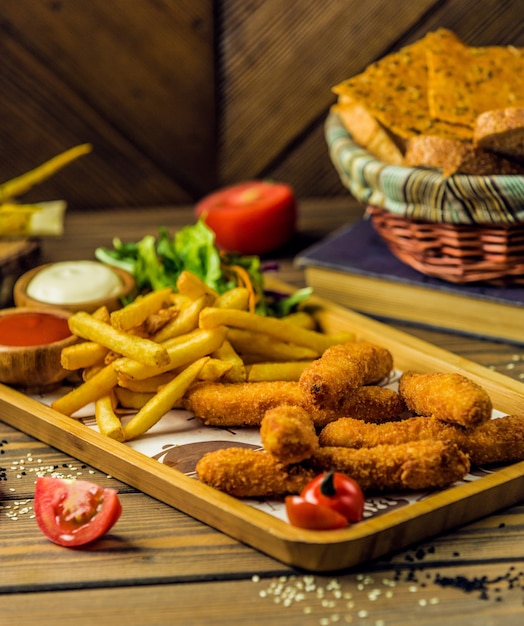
<point x="160" y="566"/>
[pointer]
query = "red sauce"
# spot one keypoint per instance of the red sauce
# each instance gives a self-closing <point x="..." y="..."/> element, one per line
<point x="32" y="329"/>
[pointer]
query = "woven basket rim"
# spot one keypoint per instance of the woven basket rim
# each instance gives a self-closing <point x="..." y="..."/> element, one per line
<point x="455" y="253"/>
<point x="423" y="194"/>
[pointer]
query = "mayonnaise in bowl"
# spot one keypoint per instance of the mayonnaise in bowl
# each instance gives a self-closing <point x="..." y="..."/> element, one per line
<point x="74" y="285"/>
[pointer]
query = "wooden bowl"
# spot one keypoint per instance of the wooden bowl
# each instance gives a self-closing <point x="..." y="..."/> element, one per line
<point x="112" y="302"/>
<point x="33" y="368"/>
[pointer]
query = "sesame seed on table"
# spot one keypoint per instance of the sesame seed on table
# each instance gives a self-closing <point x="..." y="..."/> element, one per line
<point x="161" y="566"/>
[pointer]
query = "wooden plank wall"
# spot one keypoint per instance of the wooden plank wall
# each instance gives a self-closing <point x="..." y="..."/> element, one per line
<point x="280" y="59"/>
<point x="181" y="96"/>
<point x="133" y="77"/>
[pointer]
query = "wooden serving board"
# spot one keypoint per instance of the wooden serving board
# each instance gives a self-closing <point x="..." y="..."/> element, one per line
<point x="316" y="551"/>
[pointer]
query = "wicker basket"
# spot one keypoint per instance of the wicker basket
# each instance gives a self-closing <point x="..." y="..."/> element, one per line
<point x="458" y="254"/>
<point x="461" y="229"/>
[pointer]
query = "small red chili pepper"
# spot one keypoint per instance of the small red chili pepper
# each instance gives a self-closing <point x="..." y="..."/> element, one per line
<point x="329" y="501"/>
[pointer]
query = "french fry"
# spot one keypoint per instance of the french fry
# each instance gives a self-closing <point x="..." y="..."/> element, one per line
<point x="163" y="401"/>
<point x="250" y="342"/>
<point x="302" y="319"/>
<point x="102" y="314"/>
<point x="227" y="353"/>
<point x="137" y="312"/>
<point x="185" y="321"/>
<point x="108" y="422"/>
<point x="132" y="400"/>
<point x="90" y="371"/>
<point x="140" y="349"/>
<point x="146" y="385"/>
<point x="214" y="369"/>
<point x="181" y="351"/>
<point x="236" y="298"/>
<point x="276" y="328"/>
<point x="291" y="370"/>
<point x="180" y="300"/>
<point x="191" y="285"/>
<point x="82" y="355"/>
<point x="96" y="386"/>
<point x="143" y="357"/>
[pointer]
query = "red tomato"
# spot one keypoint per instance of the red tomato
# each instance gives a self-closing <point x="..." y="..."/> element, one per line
<point x="250" y="218"/>
<point x="74" y="512"/>
<point x="305" y="514"/>
<point x="338" y="492"/>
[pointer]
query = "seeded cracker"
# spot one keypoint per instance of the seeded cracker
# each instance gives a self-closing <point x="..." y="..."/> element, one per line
<point x="463" y="81"/>
<point x="395" y="90"/>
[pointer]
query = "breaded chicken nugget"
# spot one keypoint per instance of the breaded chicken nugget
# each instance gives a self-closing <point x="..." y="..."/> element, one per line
<point x="351" y="433"/>
<point x="414" y="466"/>
<point x="232" y="405"/>
<point x="288" y="434"/>
<point x="497" y="441"/>
<point x="449" y="397"/>
<point x="341" y="369"/>
<point x="247" y="473"/>
<point x="370" y="404"/>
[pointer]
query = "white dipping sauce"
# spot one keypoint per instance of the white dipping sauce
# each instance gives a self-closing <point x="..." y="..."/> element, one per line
<point x="72" y="282"/>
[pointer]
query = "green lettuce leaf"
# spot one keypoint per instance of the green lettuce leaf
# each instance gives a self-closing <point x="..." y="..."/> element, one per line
<point x="156" y="262"/>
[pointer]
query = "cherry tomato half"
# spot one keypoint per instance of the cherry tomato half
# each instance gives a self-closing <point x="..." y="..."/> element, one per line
<point x="74" y="512"/>
<point x="304" y="514"/>
<point x="336" y="491"/>
<point x="253" y="217"/>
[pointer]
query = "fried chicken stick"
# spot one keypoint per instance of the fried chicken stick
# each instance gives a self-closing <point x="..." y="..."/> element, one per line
<point x="414" y="466"/>
<point x="247" y="473"/>
<point x="341" y="369"/>
<point x="497" y="441"/>
<point x="288" y="434"/>
<point x="233" y="405"/>
<point x="447" y="396"/>
<point x="370" y="403"/>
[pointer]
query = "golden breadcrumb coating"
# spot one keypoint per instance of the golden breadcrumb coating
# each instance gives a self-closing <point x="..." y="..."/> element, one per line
<point x="341" y="369"/>
<point x="499" y="440"/>
<point x="288" y="434"/>
<point x="449" y="397"/>
<point x="238" y="404"/>
<point x="409" y="466"/>
<point x="247" y="473"/>
<point x="233" y="405"/>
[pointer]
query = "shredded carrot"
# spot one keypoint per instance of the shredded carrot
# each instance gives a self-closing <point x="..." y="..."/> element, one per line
<point x="243" y="277"/>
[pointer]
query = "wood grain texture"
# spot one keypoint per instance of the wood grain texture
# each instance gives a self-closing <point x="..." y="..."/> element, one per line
<point x="278" y="67"/>
<point x="313" y="551"/>
<point x="180" y="97"/>
<point x="159" y="566"/>
<point x="135" y="79"/>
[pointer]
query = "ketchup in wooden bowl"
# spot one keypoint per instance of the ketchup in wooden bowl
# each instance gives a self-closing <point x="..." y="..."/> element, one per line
<point x="32" y="328"/>
<point x="31" y="343"/>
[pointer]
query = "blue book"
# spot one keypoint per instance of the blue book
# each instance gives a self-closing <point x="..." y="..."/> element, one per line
<point x="354" y="267"/>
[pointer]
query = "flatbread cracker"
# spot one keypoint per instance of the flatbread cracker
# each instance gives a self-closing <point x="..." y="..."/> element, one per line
<point x="464" y="81"/>
<point x="395" y="90"/>
<point x="367" y="131"/>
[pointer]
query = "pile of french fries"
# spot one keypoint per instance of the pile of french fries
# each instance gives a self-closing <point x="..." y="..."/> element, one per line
<point x="144" y="356"/>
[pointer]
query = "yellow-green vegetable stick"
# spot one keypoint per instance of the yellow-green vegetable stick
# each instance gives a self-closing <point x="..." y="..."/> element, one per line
<point x="19" y="185"/>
